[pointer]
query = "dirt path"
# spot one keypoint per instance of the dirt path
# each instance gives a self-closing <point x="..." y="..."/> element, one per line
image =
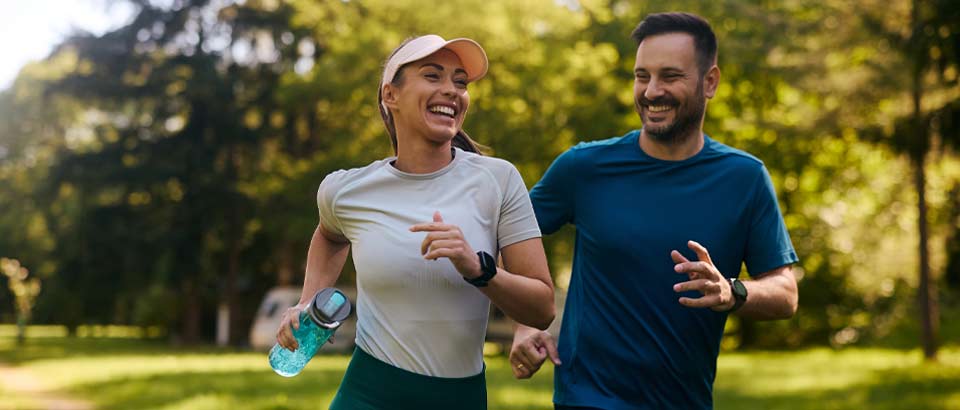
<point x="25" y="385"/>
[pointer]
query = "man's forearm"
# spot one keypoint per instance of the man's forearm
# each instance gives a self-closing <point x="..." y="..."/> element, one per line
<point x="771" y="296"/>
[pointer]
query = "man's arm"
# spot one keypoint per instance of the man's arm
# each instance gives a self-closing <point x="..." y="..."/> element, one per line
<point x="771" y="295"/>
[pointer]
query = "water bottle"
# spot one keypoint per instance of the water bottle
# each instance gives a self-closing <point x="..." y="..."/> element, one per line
<point x="322" y="316"/>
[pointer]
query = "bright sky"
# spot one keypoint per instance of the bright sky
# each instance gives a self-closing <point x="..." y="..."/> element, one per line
<point x="29" y="29"/>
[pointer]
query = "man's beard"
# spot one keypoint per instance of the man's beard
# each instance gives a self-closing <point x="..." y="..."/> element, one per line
<point x="687" y="119"/>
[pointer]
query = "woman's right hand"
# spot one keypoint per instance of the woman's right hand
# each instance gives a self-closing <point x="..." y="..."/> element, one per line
<point x="289" y="319"/>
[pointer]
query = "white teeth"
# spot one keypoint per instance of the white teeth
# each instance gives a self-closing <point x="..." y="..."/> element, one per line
<point x="658" y="108"/>
<point x="442" y="109"/>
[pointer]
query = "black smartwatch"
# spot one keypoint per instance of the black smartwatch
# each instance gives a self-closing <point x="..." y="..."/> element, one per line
<point x="739" y="294"/>
<point x="488" y="267"/>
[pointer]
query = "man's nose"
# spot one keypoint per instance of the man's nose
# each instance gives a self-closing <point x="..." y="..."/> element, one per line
<point x="654" y="90"/>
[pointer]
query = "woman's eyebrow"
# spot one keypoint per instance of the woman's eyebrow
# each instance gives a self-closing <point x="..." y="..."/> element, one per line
<point x="434" y="65"/>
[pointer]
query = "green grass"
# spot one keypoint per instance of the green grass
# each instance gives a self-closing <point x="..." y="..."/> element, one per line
<point x="127" y="373"/>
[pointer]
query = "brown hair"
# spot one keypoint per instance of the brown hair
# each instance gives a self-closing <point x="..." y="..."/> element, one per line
<point x="460" y="140"/>
<point x="704" y="40"/>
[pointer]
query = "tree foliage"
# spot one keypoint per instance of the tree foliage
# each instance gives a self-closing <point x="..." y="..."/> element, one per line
<point x="170" y="166"/>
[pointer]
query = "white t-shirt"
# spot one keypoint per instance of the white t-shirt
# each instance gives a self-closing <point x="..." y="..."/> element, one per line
<point x="412" y="313"/>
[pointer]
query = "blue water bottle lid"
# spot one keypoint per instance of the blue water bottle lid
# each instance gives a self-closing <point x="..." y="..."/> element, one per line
<point x="329" y="307"/>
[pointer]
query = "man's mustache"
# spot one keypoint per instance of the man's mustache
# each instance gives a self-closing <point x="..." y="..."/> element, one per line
<point x="665" y="100"/>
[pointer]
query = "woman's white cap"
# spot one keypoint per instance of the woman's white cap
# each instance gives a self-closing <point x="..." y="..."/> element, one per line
<point x="471" y="55"/>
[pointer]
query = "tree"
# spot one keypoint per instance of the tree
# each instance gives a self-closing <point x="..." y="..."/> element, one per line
<point x="930" y="49"/>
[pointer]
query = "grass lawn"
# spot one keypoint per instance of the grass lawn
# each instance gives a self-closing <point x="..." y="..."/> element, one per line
<point x="130" y="373"/>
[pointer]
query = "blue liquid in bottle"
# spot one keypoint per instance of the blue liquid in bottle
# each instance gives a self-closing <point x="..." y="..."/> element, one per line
<point x="315" y="329"/>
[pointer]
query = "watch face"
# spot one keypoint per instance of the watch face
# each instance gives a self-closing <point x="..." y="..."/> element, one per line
<point x="739" y="289"/>
<point x="487" y="263"/>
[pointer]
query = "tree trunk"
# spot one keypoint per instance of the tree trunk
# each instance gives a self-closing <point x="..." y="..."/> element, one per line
<point x="926" y="294"/>
<point x="22" y="320"/>
<point x="191" y="313"/>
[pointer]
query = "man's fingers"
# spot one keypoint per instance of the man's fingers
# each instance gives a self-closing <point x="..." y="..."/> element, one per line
<point x="520" y="372"/>
<point x="437" y="218"/>
<point x="520" y="363"/>
<point x="692" y="267"/>
<point x="531" y="357"/>
<point x="552" y="353"/>
<point x="701" y="251"/>
<point x="701" y="302"/>
<point x="678" y="257"/>
<point x="704" y="286"/>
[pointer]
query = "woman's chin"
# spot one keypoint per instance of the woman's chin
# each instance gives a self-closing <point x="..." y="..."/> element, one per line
<point x="442" y="136"/>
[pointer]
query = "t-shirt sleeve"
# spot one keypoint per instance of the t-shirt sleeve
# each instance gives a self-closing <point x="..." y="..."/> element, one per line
<point x="517" y="220"/>
<point x="553" y="196"/>
<point x="325" y="197"/>
<point x="768" y="242"/>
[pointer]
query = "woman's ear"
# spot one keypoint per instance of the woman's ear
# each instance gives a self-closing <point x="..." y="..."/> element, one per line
<point x="389" y="94"/>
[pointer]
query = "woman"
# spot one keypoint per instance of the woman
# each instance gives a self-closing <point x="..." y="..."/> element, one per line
<point x="423" y="226"/>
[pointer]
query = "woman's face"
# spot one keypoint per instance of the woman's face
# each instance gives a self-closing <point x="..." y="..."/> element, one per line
<point x="432" y="99"/>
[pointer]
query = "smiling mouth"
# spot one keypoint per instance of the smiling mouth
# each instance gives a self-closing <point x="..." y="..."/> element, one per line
<point x="443" y="110"/>
<point x="658" y="108"/>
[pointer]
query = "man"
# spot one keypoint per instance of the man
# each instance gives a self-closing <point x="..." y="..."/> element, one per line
<point x="665" y="216"/>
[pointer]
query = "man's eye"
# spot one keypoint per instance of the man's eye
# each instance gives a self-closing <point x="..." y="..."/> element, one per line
<point x="461" y="83"/>
<point x="432" y="76"/>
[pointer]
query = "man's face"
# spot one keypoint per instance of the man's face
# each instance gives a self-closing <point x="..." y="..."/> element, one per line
<point x="668" y="90"/>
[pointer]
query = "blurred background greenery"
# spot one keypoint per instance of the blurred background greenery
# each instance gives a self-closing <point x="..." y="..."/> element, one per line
<point x="165" y="170"/>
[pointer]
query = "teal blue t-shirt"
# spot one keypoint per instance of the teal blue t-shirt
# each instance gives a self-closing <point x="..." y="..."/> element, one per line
<point x="626" y="342"/>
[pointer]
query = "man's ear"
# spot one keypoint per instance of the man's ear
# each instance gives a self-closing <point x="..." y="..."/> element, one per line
<point x="389" y="94"/>
<point x="711" y="81"/>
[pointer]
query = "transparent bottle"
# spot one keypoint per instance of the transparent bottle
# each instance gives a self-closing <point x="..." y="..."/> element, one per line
<point x="318" y="321"/>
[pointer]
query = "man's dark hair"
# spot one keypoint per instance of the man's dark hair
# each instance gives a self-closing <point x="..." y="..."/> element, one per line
<point x="704" y="41"/>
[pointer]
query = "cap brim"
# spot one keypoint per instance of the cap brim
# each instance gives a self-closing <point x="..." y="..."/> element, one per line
<point x="472" y="56"/>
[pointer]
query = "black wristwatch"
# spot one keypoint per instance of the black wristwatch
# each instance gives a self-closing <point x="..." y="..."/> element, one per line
<point x="488" y="267"/>
<point x="739" y="294"/>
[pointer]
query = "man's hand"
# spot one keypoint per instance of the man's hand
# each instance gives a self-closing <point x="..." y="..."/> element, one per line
<point x="704" y="278"/>
<point x="446" y="241"/>
<point x="531" y="347"/>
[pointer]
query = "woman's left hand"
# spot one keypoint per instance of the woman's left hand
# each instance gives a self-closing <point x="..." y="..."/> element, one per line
<point x="446" y="241"/>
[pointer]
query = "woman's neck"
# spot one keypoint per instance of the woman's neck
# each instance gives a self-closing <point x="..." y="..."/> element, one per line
<point x="421" y="156"/>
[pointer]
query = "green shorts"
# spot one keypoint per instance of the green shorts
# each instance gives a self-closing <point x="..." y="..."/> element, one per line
<point x="370" y="384"/>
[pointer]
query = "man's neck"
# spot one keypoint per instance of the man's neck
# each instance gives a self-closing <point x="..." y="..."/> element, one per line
<point x="678" y="150"/>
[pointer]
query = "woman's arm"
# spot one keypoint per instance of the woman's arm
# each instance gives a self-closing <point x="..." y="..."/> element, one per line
<point x="522" y="288"/>
<point x="325" y="259"/>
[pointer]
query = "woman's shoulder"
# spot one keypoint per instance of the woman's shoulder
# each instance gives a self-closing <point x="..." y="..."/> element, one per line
<point x="492" y="164"/>
<point x="342" y="177"/>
